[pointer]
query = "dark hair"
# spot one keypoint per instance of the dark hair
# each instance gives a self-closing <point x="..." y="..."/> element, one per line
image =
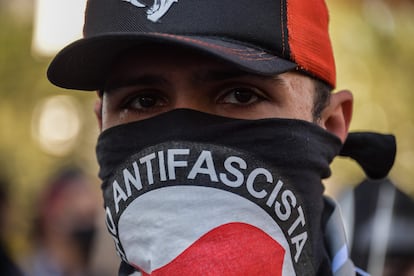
<point x="321" y="98"/>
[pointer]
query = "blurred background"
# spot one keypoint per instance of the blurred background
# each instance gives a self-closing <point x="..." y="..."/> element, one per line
<point x="44" y="128"/>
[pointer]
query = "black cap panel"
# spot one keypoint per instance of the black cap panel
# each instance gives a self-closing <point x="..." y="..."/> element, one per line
<point x="236" y="20"/>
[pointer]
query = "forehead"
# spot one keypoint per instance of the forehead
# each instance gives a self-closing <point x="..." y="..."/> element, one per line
<point x="158" y="60"/>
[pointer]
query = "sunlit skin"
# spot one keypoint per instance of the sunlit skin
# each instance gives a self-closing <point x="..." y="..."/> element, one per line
<point x="146" y="82"/>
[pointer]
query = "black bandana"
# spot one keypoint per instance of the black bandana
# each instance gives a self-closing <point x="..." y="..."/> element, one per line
<point x="178" y="185"/>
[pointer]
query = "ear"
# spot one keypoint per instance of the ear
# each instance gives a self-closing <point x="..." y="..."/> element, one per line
<point x="336" y="117"/>
<point x="98" y="111"/>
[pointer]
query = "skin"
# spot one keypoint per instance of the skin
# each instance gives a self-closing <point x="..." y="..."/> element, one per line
<point x="150" y="81"/>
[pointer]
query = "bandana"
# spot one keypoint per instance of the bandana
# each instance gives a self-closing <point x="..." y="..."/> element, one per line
<point x="189" y="193"/>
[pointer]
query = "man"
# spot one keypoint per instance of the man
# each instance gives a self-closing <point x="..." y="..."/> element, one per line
<point x="380" y="222"/>
<point x="218" y="124"/>
<point x="65" y="226"/>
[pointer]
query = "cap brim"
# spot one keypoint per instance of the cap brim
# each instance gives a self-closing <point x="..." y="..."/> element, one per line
<point x="85" y="64"/>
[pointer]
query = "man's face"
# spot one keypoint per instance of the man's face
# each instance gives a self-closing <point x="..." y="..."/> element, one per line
<point x="150" y="81"/>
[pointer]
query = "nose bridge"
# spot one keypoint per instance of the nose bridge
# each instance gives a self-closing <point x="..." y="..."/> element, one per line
<point x="191" y="96"/>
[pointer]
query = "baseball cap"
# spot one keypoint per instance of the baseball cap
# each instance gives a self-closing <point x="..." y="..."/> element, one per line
<point x="263" y="37"/>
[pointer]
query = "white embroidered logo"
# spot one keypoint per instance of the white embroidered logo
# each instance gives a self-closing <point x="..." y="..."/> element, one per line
<point x="158" y="9"/>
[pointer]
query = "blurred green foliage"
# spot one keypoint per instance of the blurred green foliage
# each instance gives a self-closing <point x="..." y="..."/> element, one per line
<point x="374" y="48"/>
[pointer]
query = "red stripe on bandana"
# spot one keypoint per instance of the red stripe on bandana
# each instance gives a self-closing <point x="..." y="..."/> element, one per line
<point x="230" y="249"/>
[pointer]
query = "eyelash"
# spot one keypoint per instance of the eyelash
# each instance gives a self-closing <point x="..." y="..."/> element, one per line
<point x="252" y="92"/>
<point x="135" y="97"/>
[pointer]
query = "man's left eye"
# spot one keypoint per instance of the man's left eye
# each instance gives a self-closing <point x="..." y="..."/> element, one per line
<point x="241" y="96"/>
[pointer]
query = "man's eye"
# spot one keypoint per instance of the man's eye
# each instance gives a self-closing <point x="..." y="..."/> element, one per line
<point x="241" y="96"/>
<point x="146" y="102"/>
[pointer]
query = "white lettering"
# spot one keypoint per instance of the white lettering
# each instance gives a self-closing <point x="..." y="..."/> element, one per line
<point x="286" y="195"/>
<point x="119" y="195"/>
<point x="118" y="249"/>
<point x="232" y="173"/>
<point x="300" y="219"/>
<point x="129" y="178"/>
<point x="172" y="163"/>
<point x="237" y="173"/>
<point x="161" y="163"/>
<point x="250" y="181"/>
<point x="204" y="158"/>
<point x="299" y="242"/>
<point x="147" y="160"/>
<point x="272" y="198"/>
<point x="109" y="221"/>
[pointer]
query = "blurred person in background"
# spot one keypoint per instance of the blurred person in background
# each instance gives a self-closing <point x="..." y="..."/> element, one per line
<point x="7" y="264"/>
<point x="65" y="226"/>
<point x="380" y="223"/>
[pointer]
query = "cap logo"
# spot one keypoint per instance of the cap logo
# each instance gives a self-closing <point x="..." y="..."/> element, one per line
<point x="158" y="9"/>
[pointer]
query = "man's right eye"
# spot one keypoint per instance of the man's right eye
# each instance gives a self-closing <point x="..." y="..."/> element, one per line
<point x="146" y="101"/>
